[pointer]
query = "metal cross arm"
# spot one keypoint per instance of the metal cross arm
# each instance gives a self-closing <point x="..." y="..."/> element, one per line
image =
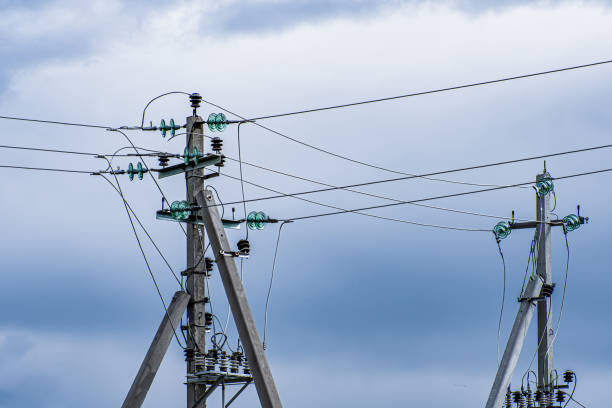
<point x="236" y="296"/>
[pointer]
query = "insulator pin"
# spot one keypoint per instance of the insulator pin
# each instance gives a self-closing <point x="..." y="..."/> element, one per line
<point x="244" y="247"/>
<point x="216" y="144"/>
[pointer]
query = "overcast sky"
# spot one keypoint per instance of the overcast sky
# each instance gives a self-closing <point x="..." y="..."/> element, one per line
<point x="364" y="312"/>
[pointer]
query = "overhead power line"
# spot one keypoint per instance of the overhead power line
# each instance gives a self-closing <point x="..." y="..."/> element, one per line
<point x="439" y="197"/>
<point x="452" y="88"/>
<point x="475" y="167"/>
<point x="48" y="169"/>
<point x="53" y="122"/>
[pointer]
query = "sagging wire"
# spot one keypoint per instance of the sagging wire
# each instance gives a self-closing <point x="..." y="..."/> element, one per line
<point x="147" y="169"/>
<point x="571" y="396"/>
<point x="530" y="261"/>
<point x="501" y="311"/>
<point x="147" y="234"/>
<point x="358" y="212"/>
<point x="242" y="180"/>
<point x="280" y="229"/>
<point x="157" y="97"/>
<point x="144" y="255"/>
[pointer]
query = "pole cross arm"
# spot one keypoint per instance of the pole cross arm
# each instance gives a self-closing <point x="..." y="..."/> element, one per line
<point x="236" y="296"/>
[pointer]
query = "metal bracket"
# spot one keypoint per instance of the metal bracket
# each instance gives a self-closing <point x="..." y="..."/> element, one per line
<point x="233" y="254"/>
<point x="205" y="161"/>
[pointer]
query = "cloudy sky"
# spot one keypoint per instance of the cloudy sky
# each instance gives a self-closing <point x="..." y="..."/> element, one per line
<point x="364" y="312"/>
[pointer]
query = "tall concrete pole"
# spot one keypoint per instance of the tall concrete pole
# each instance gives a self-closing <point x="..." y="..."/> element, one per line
<point x="544" y="270"/>
<point x="515" y="343"/>
<point x="196" y="270"/>
<point x="236" y="296"/>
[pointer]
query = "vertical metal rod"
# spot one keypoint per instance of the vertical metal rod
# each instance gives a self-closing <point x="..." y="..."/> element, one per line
<point x="236" y="296"/>
<point x="196" y="311"/>
<point x="515" y="343"/>
<point x="223" y="393"/>
<point x="544" y="270"/>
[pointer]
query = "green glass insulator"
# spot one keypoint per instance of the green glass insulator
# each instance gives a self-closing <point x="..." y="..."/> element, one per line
<point x="502" y="229"/>
<point x="260" y="220"/>
<point x="140" y="170"/>
<point x="196" y="155"/>
<point x="172" y="127"/>
<point x="186" y="155"/>
<point x="162" y="128"/>
<point x="130" y="171"/>
<point x="545" y="186"/>
<point x="251" y="220"/>
<point x="174" y="209"/>
<point x="184" y="210"/>
<point x="571" y="222"/>
<point x="212" y="119"/>
<point x="220" y="122"/>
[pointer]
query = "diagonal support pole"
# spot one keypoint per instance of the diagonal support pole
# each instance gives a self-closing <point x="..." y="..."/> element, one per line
<point x="155" y="355"/>
<point x="515" y="343"/>
<point x="236" y="296"/>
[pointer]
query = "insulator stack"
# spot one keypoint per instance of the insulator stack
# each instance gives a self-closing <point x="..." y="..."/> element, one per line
<point x="234" y="363"/>
<point x="223" y="362"/>
<point x="139" y="171"/>
<point x="518" y="399"/>
<point x="247" y="369"/>
<point x="208" y="319"/>
<point x="256" y="220"/>
<point x="163" y="161"/>
<point x="195" y="100"/>
<point x="502" y="230"/>
<point x="244" y="247"/>
<point x="545" y="186"/>
<point x="508" y="399"/>
<point x="571" y="222"/>
<point x="529" y="398"/>
<point x="189" y="353"/>
<point x="180" y="210"/>
<point x="216" y="144"/>
<point x="568" y="376"/>
<point x="209" y="265"/>
<point x="171" y="127"/>
<point x="217" y="122"/>
<point x="199" y="361"/>
<point x="191" y="155"/>
<point x="560" y="396"/>
<point x="547" y="289"/>
<point x="210" y="360"/>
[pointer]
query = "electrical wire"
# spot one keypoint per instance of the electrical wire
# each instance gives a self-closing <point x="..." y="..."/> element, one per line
<point x="145" y="257"/>
<point x="148" y="171"/>
<point x="242" y="180"/>
<point x="412" y="201"/>
<point x="48" y="169"/>
<point x="501" y="310"/>
<point x="339" y="156"/>
<point x="147" y="234"/>
<point x="157" y="97"/>
<point x="53" y="122"/>
<point x="380" y="196"/>
<point x="280" y="229"/>
<point x="359" y="212"/>
<point x="452" y="88"/>
<point x="572" y="393"/>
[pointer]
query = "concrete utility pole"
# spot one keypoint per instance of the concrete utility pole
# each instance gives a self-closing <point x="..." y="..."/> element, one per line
<point x="543" y="269"/>
<point x="515" y="343"/>
<point x="157" y="351"/>
<point x="236" y="296"/>
<point x="196" y="266"/>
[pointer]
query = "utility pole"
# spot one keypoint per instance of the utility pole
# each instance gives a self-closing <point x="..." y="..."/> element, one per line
<point x="236" y="296"/>
<point x="196" y="266"/>
<point x="543" y="269"/>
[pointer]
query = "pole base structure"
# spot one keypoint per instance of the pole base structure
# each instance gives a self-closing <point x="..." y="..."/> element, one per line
<point x="236" y="296"/>
<point x="515" y="343"/>
<point x="155" y="355"/>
